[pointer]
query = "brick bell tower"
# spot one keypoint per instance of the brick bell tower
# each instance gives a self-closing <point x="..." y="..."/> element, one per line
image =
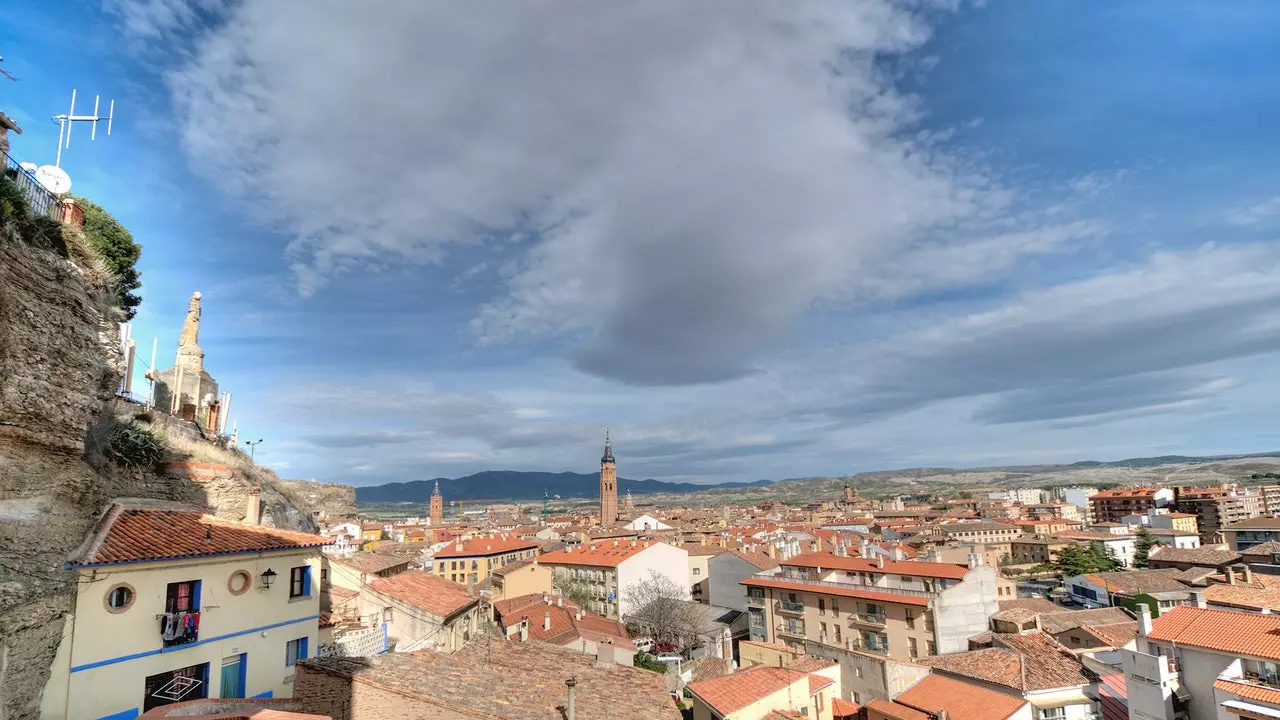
<point x="437" y="507"/>
<point x="608" y="485"/>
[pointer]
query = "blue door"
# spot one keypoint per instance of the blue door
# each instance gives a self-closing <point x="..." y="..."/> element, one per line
<point x="233" y="676"/>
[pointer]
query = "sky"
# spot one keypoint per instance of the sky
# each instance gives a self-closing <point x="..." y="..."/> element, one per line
<point x="756" y="240"/>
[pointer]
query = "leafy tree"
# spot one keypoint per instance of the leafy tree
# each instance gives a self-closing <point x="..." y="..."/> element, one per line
<point x="1143" y="548"/>
<point x="648" y="662"/>
<point x="575" y="592"/>
<point x="662" y="607"/>
<point x="116" y="246"/>
<point x="1081" y="559"/>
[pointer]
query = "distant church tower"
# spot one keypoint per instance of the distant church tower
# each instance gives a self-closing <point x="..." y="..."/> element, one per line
<point x="608" y="485"/>
<point x="437" y="507"/>
<point x="628" y="507"/>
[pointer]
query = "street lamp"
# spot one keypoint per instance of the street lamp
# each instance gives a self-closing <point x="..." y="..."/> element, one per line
<point x="268" y="577"/>
<point x="253" y="445"/>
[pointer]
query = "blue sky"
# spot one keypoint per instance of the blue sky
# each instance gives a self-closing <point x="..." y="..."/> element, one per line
<point x="756" y="240"/>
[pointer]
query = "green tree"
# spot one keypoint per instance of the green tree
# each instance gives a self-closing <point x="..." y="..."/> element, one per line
<point x="1143" y="548"/>
<point x="1081" y="559"/>
<point x="116" y="246"/>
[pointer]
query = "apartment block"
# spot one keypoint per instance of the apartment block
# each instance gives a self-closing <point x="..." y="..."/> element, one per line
<point x="607" y="571"/>
<point x="1113" y="505"/>
<point x="1246" y="534"/>
<point x="981" y="532"/>
<point x="899" y="609"/>
<point x="474" y="560"/>
<point x="1217" y="508"/>
<point x="1194" y="662"/>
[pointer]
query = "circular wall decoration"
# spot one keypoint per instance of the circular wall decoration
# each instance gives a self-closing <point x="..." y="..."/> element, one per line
<point x="119" y="598"/>
<point x="239" y="582"/>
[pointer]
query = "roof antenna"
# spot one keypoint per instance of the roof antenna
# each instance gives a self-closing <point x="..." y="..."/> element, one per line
<point x="68" y="120"/>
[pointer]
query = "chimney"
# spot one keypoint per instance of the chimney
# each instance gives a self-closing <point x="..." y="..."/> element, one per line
<point x="1231" y="576"/>
<point x="941" y="715"/>
<point x="1198" y="597"/>
<point x="704" y="538"/>
<point x="879" y="560"/>
<point x="524" y="630"/>
<point x="1248" y="575"/>
<point x="546" y="598"/>
<point x="865" y="545"/>
<point x="974" y="560"/>
<point x="818" y="543"/>
<point x="546" y="620"/>
<point x="559" y="601"/>
<point x="570" y="683"/>
<point x="771" y="550"/>
<point x="253" y="512"/>
<point x="581" y="613"/>
<point x="1144" y="619"/>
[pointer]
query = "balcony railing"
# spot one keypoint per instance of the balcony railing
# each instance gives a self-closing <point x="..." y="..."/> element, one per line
<point x="855" y="644"/>
<point x="869" y="619"/>
<point x="790" y="607"/>
<point x="753" y="601"/>
<point x="862" y="588"/>
<point x="792" y="629"/>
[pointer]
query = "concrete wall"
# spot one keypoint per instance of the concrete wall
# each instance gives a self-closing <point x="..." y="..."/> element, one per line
<point x="111" y="654"/>
<point x="698" y="576"/>
<point x="416" y="628"/>
<point x="667" y="560"/>
<point x="725" y="573"/>
<point x="524" y="580"/>
<point x="864" y="676"/>
<point x="965" y="609"/>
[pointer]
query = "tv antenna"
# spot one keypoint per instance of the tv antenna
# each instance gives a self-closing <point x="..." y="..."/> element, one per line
<point x="68" y="121"/>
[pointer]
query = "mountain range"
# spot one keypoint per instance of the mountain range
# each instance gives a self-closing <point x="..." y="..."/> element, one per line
<point x="515" y="485"/>
<point x="518" y="485"/>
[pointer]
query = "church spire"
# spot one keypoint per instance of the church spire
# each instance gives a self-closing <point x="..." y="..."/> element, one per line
<point x="608" y="450"/>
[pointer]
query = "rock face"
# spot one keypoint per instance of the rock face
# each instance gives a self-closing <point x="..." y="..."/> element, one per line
<point x="59" y="366"/>
<point x="334" y="500"/>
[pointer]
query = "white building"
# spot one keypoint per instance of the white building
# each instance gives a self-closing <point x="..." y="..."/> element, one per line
<point x="1202" y="664"/>
<point x="1120" y="547"/>
<point x="646" y="523"/>
<point x="173" y="605"/>
<point x="608" y="571"/>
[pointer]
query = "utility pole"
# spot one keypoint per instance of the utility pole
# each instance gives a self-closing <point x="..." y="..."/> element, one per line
<point x="253" y="445"/>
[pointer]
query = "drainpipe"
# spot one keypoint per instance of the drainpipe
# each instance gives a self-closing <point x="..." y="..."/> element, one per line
<point x="571" y="683"/>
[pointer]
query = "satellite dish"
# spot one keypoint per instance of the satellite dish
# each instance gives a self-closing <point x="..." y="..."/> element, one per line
<point x="28" y="166"/>
<point x="53" y="178"/>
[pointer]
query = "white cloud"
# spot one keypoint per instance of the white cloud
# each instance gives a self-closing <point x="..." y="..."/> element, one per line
<point x="693" y="175"/>
<point x="1255" y="214"/>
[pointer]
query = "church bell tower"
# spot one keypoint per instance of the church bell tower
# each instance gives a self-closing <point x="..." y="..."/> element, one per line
<point x="608" y="485"/>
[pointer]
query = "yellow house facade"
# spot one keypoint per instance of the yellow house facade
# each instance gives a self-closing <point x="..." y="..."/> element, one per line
<point x="473" y="560"/>
<point x="174" y="605"/>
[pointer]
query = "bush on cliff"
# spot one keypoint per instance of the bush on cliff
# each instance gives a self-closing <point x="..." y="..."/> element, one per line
<point x="131" y="445"/>
<point x="117" y="248"/>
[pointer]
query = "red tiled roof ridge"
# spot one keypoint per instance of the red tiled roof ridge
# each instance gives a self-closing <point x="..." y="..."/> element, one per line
<point x="950" y="571"/>
<point x="851" y="591"/>
<point x="1249" y="634"/>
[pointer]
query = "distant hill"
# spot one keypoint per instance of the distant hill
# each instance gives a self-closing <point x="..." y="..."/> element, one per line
<point x="515" y="485"/>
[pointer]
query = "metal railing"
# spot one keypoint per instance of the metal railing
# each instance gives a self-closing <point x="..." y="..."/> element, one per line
<point x="791" y="607"/>
<point x="753" y="601"/>
<point x="869" y="618"/>
<point x="863" y="588"/>
<point x="792" y="629"/>
<point x="40" y="200"/>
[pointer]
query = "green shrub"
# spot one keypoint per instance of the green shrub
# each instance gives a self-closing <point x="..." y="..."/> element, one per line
<point x="116" y="246"/>
<point x="648" y="662"/>
<point x="131" y="445"/>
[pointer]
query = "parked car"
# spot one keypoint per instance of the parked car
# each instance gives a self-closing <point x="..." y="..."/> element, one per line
<point x="643" y="644"/>
<point x="665" y="647"/>
<point x="668" y="657"/>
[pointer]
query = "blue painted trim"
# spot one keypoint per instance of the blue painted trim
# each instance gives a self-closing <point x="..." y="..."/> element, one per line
<point x="262" y="696"/>
<point x="73" y="566"/>
<point x="384" y="637"/>
<point x="175" y="648"/>
<point x="244" y="677"/>
<point x="129" y="714"/>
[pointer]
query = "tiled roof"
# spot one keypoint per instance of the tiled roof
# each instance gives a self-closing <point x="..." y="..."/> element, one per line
<point x="1144" y="492"/>
<point x="1249" y="634"/>
<point x="1137" y="580"/>
<point x="370" y="562"/>
<point x="979" y="527"/>
<point x="511" y="567"/>
<point x="1057" y="622"/>
<point x="961" y="700"/>
<point x="896" y="711"/>
<point x="759" y="559"/>
<point x="730" y="693"/>
<point x="1016" y="615"/>
<point x="1114" y="634"/>
<point x="1039" y="605"/>
<point x="911" y="568"/>
<point x="812" y="663"/>
<point x="132" y="532"/>
<point x="843" y="708"/>
<point x="707" y="668"/>
<point x="1028" y="662"/>
<point x="1091" y="536"/>
<point x="1249" y="691"/>
<point x="818" y="682"/>
<point x="420" y="589"/>
<point x="597" y="554"/>
<point x="1195" y="575"/>
<point x="485" y="546"/>
<point x="1205" y="556"/>
<point x="698" y="549"/>
<point x="519" y="681"/>
<point x="1245" y="597"/>
<point x="1258" y="523"/>
<point x="881" y="596"/>
<point x="1270" y="547"/>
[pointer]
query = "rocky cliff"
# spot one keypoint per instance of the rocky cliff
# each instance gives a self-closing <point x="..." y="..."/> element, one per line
<point x="59" y="367"/>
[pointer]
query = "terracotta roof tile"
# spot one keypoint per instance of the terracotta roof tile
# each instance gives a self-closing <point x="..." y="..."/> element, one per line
<point x="520" y="681"/>
<point x="818" y="682"/>
<point x="1203" y="556"/>
<point x="369" y="562"/>
<point x="1258" y="523"/>
<point x="1223" y="630"/>
<point x="1039" y="605"/>
<point x="1249" y="691"/>
<point x="730" y="693"/>
<point x="1137" y="580"/>
<point x="1114" y="634"/>
<point x="844" y="708"/>
<point x="420" y="589"/>
<point x="895" y="711"/>
<point x="485" y="546"/>
<point x="1062" y="621"/>
<point x="881" y="596"/>
<point x="1029" y="662"/>
<point x="759" y="559"/>
<point x="597" y="554"/>
<point x="1244" y="596"/>
<point x="131" y="533"/>
<point x="892" y="567"/>
<point x="961" y="700"/>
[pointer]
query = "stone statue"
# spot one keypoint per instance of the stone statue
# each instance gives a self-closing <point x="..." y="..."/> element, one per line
<point x="191" y="326"/>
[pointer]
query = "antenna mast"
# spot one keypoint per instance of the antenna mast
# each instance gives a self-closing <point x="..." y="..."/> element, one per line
<point x="69" y="119"/>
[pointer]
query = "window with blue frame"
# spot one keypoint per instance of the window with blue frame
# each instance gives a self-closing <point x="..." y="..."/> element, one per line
<point x="300" y="582"/>
<point x="180" y="623"/>
<point x="295" y="650"/>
